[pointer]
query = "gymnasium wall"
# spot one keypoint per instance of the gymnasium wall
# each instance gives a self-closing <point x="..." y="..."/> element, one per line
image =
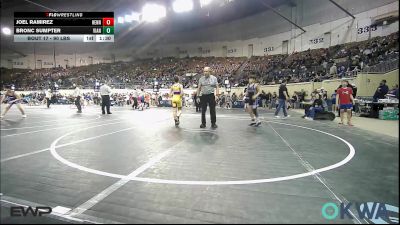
<point x="47" y="61"/>
<point x="366" y="84"/>
<point x="331" y="85"/>
<point x="308" y="87"/>
<point x="267" y="23"/>
<point x="326" y="25"/>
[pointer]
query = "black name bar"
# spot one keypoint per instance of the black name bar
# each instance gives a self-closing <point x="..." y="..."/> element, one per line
<point x="63" y="14"/>
<point x="57" y="22"/>
<point x="58" y="30"/>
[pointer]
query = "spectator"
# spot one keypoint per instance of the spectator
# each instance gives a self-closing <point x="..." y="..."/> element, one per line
<point x="274" y="99"/>
<point x="333" y="100"/>
<point x="234" y="97"/>
<point x="333" y="70"/>
<point x="324" y="95"/>
<point x="381" y="91"/>
<point x="268" y="98"/>
<point x="294" y="101"/>
<point x="316" y="107"/>
<point x="342" y="60"/>
<point x="283" y="97"/>
<point x="228" y="101"/>
<point x="355" y="89"/>
<point x="395" y="91"/>
<point x="263" y="97"/>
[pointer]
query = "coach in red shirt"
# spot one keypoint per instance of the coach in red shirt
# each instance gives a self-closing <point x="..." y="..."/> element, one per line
<point x="345" y="101"/>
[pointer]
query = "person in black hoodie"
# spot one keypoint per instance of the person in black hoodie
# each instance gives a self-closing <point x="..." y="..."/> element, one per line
<point x="317" y="106"/>
<point x="381" y="91"/>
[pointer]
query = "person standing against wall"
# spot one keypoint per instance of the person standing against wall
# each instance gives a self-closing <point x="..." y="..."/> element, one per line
<point x="208" y="86"/>
<point x="274" y="98"/>
<point x="105" y="92"/>
<point x="263" y="97"/>
<point x="269" y="100"/>
<point x="333" y="99"/>
<point x="228" y="101"/>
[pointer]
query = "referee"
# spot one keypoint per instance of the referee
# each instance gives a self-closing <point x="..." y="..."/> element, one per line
<point x="77" y="94"/>
<point x="48" y="97"/>
<point x="208" y="85"/>
<point x="105" y="92"/>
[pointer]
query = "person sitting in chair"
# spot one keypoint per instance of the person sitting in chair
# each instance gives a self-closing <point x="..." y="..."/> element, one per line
<point x="317" y="106"/>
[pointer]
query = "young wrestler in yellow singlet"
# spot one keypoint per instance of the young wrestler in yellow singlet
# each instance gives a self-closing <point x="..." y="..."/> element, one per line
<point x="176" y="94"/>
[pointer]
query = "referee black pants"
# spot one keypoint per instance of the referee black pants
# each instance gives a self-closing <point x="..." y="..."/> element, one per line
<point x="78" y="103"/>
<point x="204" y="101"/>
<point x="48" y="102"/>
<point x="105" y="103"/>
<point x="198" y="106"/>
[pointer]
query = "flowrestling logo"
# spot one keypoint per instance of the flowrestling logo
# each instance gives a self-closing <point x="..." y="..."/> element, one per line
<point x="377" y="213"/>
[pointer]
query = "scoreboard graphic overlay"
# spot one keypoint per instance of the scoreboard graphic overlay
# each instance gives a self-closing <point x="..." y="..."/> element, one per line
<point x="63" y="26"/>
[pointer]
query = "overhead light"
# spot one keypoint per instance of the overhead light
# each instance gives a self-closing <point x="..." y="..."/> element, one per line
<point x="121" y="19"/>
<point x="128" y="18"/>
<point x="6" y="30"/>
<point x="153" y="12"/>
<point x="204" y="3"/>
<point x="135" y="16"/>
<point x="180" y="6"/>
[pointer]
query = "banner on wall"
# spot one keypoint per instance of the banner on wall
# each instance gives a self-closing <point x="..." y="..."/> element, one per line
<point x="269" y="49"/>
<point x="316" y="40"/>
<point x="231" y="51"/>
<point x="364" y="29"/>
<point x="206" y="51"/>
<point x="238" y="104"/>
<point x="165" y="103"/>
<point x="17" y="63"/>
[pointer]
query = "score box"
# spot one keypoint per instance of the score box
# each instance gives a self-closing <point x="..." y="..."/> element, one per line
<point x="108" y="22"/>
<point x="108" y="30"/>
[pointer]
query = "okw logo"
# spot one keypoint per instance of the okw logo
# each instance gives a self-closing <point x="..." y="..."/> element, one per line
<point x="19" y="211"/>
<point x="377" y="213"/>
